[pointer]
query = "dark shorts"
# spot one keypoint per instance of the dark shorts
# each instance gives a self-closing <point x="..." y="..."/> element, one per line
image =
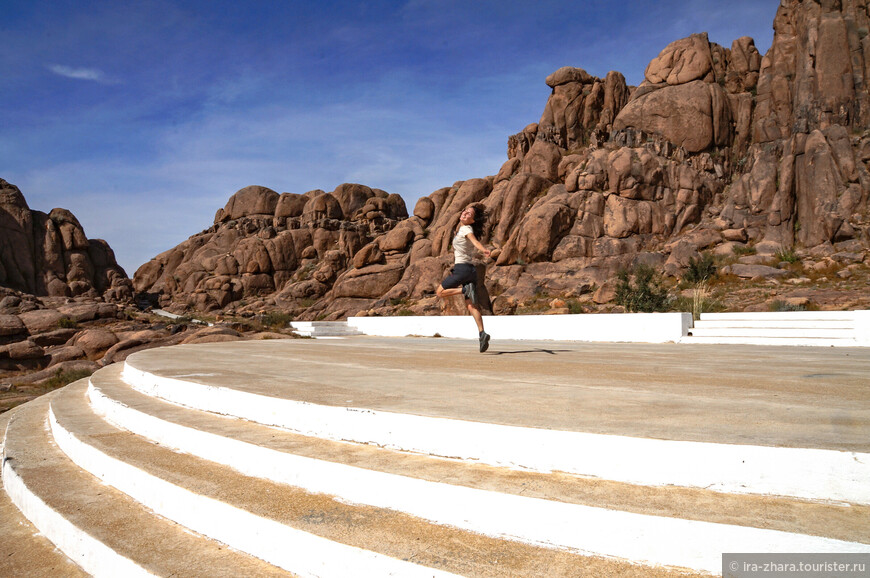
<point x="460" y="275"/>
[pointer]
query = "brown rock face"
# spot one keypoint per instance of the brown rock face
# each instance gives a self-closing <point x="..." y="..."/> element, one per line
<point x="49" y="255"/>
<point x="253" y="200"/>
<point x="694" y="116"/>
<point x="718" y="149"/>
<point x="287" y="247"/>
<point x="682" y="61"/>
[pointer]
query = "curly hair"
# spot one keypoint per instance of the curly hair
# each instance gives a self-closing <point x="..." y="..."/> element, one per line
<point x="480" y="216"/>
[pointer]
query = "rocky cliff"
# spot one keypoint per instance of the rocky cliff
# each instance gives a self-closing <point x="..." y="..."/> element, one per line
<point x="719" y="150"/>
<point x="49" y="254"/>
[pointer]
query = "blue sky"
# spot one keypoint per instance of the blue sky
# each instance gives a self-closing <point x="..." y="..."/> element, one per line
<point x="143" y="117"/>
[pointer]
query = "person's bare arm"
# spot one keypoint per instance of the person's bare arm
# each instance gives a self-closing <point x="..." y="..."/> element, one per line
<point x="478" y="244"/>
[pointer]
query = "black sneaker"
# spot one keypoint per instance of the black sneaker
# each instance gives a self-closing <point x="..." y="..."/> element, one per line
<point x="484" y="341"/>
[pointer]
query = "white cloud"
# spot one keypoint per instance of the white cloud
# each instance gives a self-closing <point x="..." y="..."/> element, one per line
<point x="79" y="73"/>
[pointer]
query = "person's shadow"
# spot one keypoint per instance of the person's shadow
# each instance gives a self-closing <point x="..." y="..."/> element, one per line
<point x="539" y="350"/>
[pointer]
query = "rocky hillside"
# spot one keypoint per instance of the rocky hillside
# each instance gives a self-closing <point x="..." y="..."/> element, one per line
<point x="760" y="161"/>
<point x="49" y="255"/>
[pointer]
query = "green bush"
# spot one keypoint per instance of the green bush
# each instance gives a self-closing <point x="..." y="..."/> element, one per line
<point x="641" y="290"/>
<point x="66" y="323"/>
<point x="404" y="312"/>
<point x="787" y="255"/>
<point x="276" y="319"/>
<point x="700" y="269"/>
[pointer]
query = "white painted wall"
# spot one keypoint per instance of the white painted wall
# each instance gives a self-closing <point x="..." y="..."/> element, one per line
<point x="862" y="327"/>
<point x="625" y="327"/>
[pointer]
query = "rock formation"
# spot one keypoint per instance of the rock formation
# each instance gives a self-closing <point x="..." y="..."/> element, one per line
<point x="49" y="255"/>
<point x="717" y="150"/>
<point x="291" y="247"/>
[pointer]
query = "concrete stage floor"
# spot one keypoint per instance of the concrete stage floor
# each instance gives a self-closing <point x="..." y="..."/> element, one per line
<point x="810" y="397"/>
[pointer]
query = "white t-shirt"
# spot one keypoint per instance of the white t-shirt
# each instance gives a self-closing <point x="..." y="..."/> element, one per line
<point x="463" y="249"/>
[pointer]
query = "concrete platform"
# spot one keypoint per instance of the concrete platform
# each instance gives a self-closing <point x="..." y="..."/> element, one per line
<point x="735" y="394"/>
<point x="421" y="456"/>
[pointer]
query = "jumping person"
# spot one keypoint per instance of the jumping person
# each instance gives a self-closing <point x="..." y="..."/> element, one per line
<point x="463" y="276"/>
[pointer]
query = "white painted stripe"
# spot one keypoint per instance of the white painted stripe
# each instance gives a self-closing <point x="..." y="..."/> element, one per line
<point x="294" y="550"/>
<point x="788" y="341"/>
<point x="775" y="332"/>
<point x="780" y="323"/>
<point x="778" y="315"/>
<point x="637" y="537"/>
<point x="92" y="555"/>
<point x="801" y="472"/>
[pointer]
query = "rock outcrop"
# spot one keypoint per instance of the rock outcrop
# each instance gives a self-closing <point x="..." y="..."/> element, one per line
<point x="47" y="342"/>
<point x="49" y="254"/>
<point x="718" y="150"/>
<point x="288" y="247"/>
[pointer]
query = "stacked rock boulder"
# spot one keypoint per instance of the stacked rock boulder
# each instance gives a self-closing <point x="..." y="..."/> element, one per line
<point x="717" y="150"/>
<point x="288" y="247"/>
<point x="49" y="254"/>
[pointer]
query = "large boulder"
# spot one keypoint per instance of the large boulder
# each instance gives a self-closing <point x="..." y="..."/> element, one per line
<point x="41" y="320"/>
<point x="695" y="116"/>
<point x="95" y="342"/>
<point x="352" y="197"/>
<point x="11" y="325"/>
<point x="682" y="61"/>
<point x="369" y="282"/>
<point x="251" y="200"/>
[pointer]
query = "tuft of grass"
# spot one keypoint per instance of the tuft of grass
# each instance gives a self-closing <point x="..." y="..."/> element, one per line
<point x="701" y="301"/>
<point x="404" y="312"/>
<point x="276" y="319"/>
<point x="62" y="378"/>
<point x="66" y="323"/>
<point x="779" y="305"/>
<point x="741" y="251"/>
<point x="788" y="255"/>
<point x="700" y="270"/>
<point x="641" y="290"/>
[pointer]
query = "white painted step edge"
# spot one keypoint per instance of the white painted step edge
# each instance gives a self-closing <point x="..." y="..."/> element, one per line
<point x="777" y="341"/>
<point x="294" y="550"/>
<point x="640" y="538"/>
<point x="809" y="473"/>
<point x="773" y="332"/>
<point x="780" y="315"/>
<point x="803" y="324"/>
<point x="89" y="553"/>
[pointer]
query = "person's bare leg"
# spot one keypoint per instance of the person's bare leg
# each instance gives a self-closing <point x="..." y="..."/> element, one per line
<point x="445" y="293"/>
<point x="478" y="318"/>
<point x="475" y="312"/>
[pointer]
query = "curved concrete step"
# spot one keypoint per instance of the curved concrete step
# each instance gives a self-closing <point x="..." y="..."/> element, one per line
<point x="403" y="377"/>
<point x="809" y="473"/>
<point x="476" y="496"/>
<point x="310" y="534"/>
<point x="102" y="530"/>
<point x="24" y="551"/>
<point x="259" y="450"/>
